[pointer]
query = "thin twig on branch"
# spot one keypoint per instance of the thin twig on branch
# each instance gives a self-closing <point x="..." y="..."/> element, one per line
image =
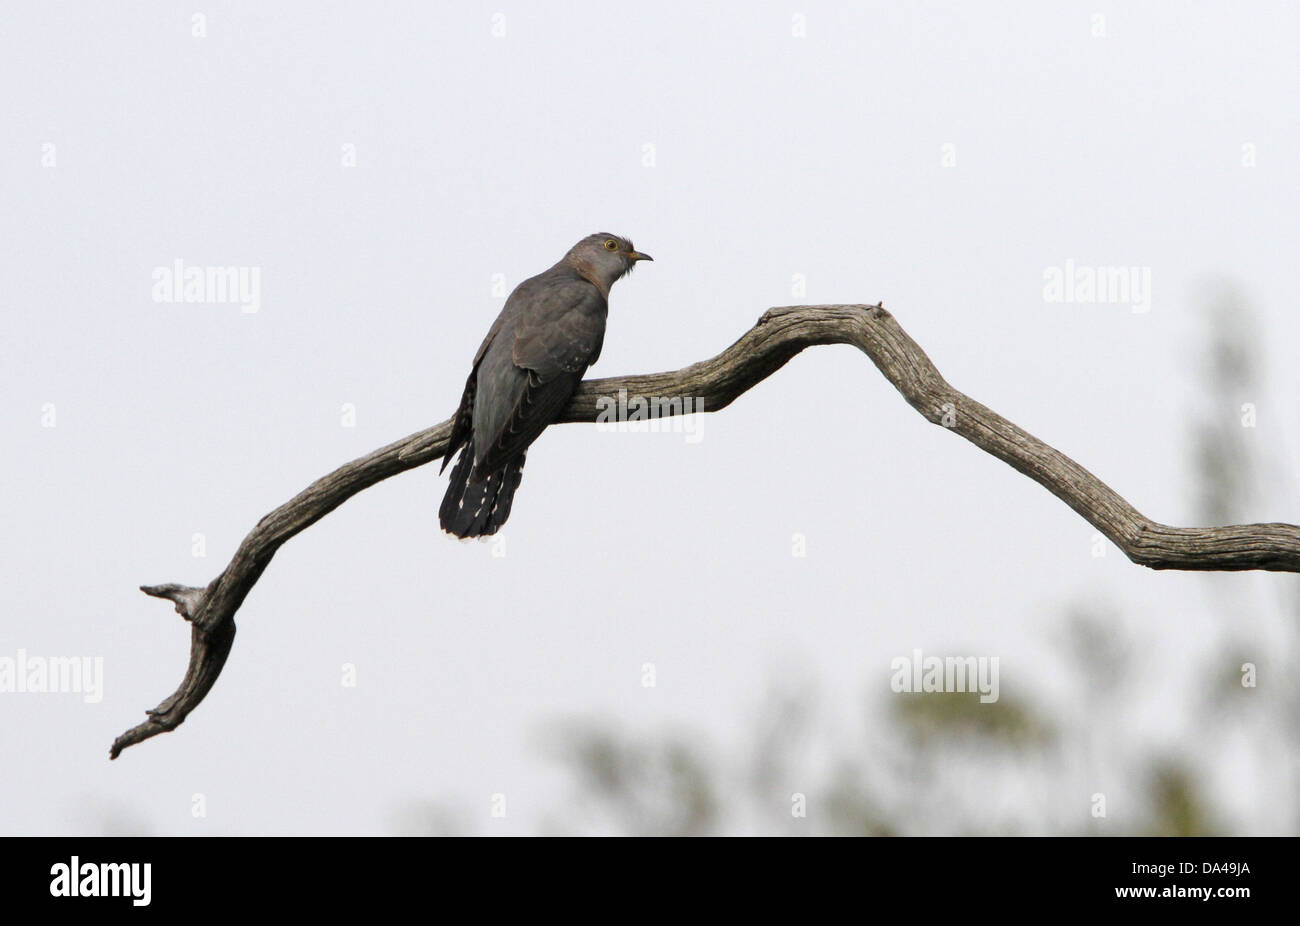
<point x="779" y="335"/>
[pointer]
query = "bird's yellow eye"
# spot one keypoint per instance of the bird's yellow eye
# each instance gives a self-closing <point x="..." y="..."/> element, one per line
<point x="611" y="244"/>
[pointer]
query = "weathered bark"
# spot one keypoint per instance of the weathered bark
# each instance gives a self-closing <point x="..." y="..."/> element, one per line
<point x="764" y="349"/>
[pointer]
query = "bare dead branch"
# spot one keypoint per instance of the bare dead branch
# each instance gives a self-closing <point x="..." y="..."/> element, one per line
<point x="779" y="335"/>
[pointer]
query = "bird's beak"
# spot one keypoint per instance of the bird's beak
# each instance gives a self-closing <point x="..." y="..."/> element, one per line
<point x="637" y="255"/>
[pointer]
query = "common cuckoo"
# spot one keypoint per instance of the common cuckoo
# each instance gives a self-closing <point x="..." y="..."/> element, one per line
<point x="528" y="367"/>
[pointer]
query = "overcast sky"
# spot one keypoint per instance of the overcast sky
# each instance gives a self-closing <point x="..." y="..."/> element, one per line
<point x="940" y="157"/>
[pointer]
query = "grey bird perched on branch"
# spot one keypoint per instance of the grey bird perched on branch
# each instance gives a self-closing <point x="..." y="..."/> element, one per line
<point x="528" y="367"/>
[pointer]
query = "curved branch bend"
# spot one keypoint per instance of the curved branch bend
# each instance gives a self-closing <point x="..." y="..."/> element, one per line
<point x="779" y="335"/>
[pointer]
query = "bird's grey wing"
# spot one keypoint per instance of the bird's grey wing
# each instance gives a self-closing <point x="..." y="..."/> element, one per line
<point x="537" y="404"/>
<point x="526" y="381"/>
<point x="463" y="422"/>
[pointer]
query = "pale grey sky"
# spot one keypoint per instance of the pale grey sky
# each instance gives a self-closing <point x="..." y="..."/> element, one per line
<point x="940" y="157"/>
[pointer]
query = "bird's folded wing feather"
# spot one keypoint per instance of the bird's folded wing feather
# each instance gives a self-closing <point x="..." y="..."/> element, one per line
<point x="536" y="406"/>
<point x="461" y="425"/>
<point x="558" y="334"/>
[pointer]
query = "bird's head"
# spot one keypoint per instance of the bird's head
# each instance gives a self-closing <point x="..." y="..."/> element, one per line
<point x="604" y="258"/>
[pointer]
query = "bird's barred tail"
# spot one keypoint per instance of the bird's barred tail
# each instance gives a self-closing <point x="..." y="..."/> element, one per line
<point x="475" y="507"/>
